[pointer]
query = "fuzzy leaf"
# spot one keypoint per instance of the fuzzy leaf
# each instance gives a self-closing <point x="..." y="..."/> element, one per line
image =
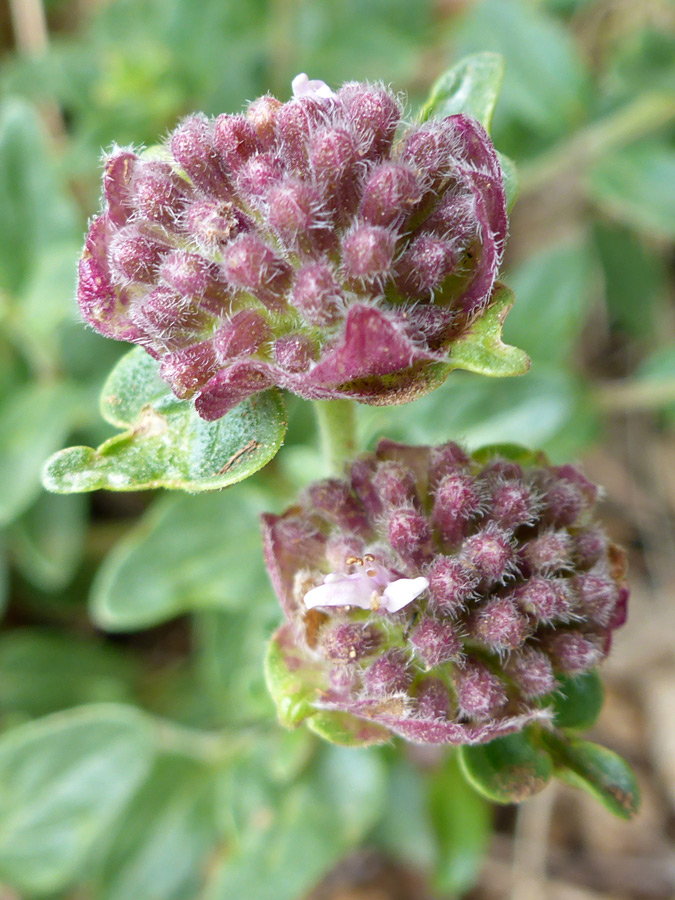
<point x="508" y="769"/>
<point x="481" y="348"/>
<point x="165" y="443"/>
<point x="578" y="702"/>
<point x="601" y="772"/>
<point x="63" y="782"/>
<point x="471" y="87"/>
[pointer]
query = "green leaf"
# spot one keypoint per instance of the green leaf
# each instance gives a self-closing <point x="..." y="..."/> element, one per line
<point x="166" y="444"/>
<point x="599" y="771"/>
<point x="34" y="212"/>
<point x="462" y="823"/>
<point x="187" y="553"/>
<point x="634" y="278"/>
<point x="48" y="540"/>
<point x="514" y="452"/>
<point x="404" y="830"/>
<point x="554" y="290"/>
<point x="508" y="769"/>
<point x="544" y="81"/>
<point x="313" y="824"/>
<point x="160" y="847"/>
<point x="471" y="87"/>
<point x="42" y="671"/>
<point x="33" y="422"/>
<point x="511" y="180"/>
<point x="481" y="349"/>
<point x="578" y="700"/>
<point x="636" y="184"/>
<point x="291" y="682"/>
<point x="63" y="782"/>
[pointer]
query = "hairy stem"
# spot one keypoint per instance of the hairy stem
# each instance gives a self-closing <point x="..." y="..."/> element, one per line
<point x="337" y="431"/>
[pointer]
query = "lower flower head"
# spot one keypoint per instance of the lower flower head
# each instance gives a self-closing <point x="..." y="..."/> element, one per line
<point x="438" y="595"/>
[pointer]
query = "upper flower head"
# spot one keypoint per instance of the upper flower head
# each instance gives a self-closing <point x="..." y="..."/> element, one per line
<point x="320" y="244"/>
<point x="438" y="595"/>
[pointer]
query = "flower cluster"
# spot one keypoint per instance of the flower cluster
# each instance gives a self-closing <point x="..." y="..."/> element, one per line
<point x="438" y="594"/>
<point x="319" y="244"/>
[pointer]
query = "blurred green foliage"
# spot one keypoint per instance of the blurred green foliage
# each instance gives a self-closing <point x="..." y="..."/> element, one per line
<point x="121" y="788"/>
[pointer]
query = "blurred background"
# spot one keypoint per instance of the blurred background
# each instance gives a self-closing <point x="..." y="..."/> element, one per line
<point x="160" y="602"/>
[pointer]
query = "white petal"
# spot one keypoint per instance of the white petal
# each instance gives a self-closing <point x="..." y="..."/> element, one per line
<point x="402" y="592"/>
<point x="340" y="590"/>
<point x="303" y="87"/>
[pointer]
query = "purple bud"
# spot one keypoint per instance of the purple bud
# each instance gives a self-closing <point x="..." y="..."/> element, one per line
<point x="547" y="599"/>
<point x="215" y="224"/>
<point x="294" y="352"/>
<point x="367" y="251"/>
<point x="374" y="115"/>
<point x="598" y="596"/>
<point x="294" y="211"/>
<point x="564" y="502"/>
<point x="192" y="147"/>
<point x="446" y="459"/>
<point x="361" y="478"/>
<point x="262" y="114"/>
<point x="390" y="674"/>
<point x="575" y="476"/>
<point x="429" y="151"/>
<point x="333" y="158"/>
<point x="389" y="195"/>
<point x="436" y="642"/>
<point x="589" y="546"/>
<point x="480" y="693"/>
<point x="532" y="672"/>
<point x="395" y="484"/>
<point x="334" y="498"/>
<point x="134" y="256"/>
<point x="159" y="194"/>
<point x="258" y="175"/>
<point x="188" y="370"/>
<point x="117" y="176"/>
<point x="620" y="613"/>
<point x="425" y="265"/>
<point x="243" y="335"/>
<point x="548" y="552"/>
<point x="167" y="317"/>
<point x="316" y="294"/>
<point x="252" y="265"/>
<point x="513" y="504"/>
<point x="502" y="469"/>
<point x="491" y="553"/>
<point x="189" y="273"/>
<point x="573" y="652"/>
<point x="296" y="120"/>
<point x="409" y="533"/>
<point x="499" y="625"/>
<point x="235" y="140"/>
<point x="456" y="502"/>
<point x="349" y="642"/>
<point x="451" y="584"/>
<point x="433" y="699"/>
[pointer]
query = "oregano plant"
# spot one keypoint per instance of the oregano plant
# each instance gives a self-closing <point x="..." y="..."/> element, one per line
<point x="339" y="246"/>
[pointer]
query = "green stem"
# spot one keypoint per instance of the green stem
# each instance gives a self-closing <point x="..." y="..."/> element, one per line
<point x="210" y="748"/>
<point x="337" y="431"/>
<point x="645" y="115"/>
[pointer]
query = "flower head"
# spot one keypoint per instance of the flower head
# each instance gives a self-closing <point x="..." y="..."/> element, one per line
<point x="321" y="245"/>
<point x="438" y="596"/>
